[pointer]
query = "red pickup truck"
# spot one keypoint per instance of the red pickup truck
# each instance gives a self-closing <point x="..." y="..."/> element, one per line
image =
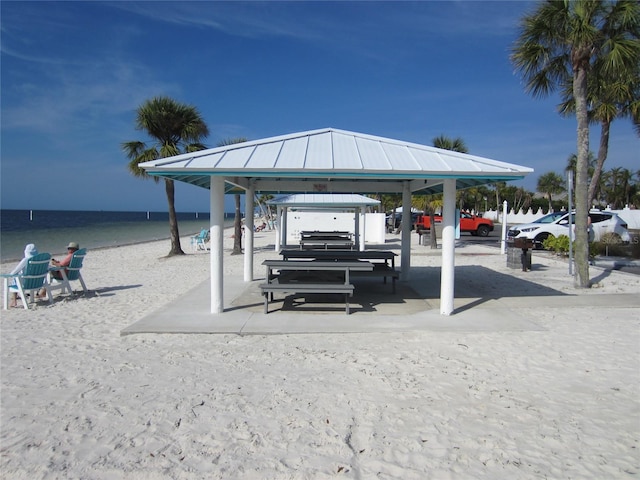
<point x="468" y="223"/>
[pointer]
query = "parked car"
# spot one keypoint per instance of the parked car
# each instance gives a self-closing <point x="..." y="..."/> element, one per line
<point x="557" y="223"/>
<point x="473" y="224"/>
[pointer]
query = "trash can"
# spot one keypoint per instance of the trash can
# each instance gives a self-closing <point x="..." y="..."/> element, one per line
<point x="519" y="253"/>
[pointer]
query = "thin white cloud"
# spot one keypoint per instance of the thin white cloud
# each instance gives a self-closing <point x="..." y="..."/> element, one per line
<point x="362" y="27"/>
<point x="242" y="19"/>
<point x="80" y="99"/>
<point x="52" y="86"/>
<point x="35" y="58"/>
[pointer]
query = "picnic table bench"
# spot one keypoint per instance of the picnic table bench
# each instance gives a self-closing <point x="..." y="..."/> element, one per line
<point x="384" y="261"/>
<point x="310" y="276"/>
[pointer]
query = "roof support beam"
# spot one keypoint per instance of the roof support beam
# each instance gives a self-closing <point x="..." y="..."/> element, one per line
<point x="248" y="235"/>
<point x="405" y="250"/>
<point x="447" y="275"/>
<point x="216" y="209"/>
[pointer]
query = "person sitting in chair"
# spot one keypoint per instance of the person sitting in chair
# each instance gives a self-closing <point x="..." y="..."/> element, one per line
<point x="29" y="251"/>
<point x="56" y="274"/>
<point x="72" y="248"/>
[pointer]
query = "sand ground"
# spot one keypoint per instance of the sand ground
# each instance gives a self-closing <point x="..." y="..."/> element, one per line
<point x="557" y="401"/>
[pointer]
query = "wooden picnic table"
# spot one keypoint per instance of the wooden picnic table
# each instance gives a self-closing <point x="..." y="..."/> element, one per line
<point x="311" y="276"/>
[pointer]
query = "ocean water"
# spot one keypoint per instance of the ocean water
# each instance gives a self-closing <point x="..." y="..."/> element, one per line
<point x="52" y="230"/>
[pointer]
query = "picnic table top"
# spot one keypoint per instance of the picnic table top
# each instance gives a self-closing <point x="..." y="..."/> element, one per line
<point x="335" y="254"/>
<point x="323" y="233"/>
<point x="319" y="265"/>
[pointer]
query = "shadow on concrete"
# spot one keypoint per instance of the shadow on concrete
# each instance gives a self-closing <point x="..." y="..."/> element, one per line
<point x="473" y="281"/>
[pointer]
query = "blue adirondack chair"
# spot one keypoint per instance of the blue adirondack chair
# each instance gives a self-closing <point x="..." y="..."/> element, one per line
<point x="198" y="242"/>
<point x="32" y="279"/>
<point x="70" y="273"/>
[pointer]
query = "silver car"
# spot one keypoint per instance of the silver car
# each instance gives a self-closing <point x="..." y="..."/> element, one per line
<point x="557" y="223"/>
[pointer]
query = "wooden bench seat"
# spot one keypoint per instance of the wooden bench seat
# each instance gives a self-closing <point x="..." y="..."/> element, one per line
<point x="383" y="261"/>
<point x="302" y="287"/>
<point x="381" y="270"/>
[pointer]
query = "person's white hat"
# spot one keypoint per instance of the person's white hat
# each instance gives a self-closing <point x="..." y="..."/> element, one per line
<point x="30" y="251"/>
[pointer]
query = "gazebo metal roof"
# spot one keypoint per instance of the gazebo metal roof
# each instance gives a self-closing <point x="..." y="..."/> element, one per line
<point x="332" y="161"/>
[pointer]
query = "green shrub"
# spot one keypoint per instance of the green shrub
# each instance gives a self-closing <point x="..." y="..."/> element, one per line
<point x="560" y="244"/>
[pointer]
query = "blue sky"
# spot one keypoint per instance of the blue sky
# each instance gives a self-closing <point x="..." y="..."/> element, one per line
<point x="73" y="74"/>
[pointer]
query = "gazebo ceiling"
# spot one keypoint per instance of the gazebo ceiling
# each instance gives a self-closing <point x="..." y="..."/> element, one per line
<point x="323" y="200"/>
<point x="332" y="161"/>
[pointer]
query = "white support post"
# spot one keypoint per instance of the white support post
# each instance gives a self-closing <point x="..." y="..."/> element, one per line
<point x="284" y="214"/>
<point x="361" y="219"/>
<point x="356" y="227"/>
<point x="503" y="240"/>
<point x="405" y="251"/>
<point x="278" y="227"/>
<point x="447" y="276"/>
<point x="216" y="207"/>
<point x="248" y="234"/>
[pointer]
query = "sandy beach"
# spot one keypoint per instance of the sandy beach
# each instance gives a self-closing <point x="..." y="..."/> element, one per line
<point x="78" y="400"/>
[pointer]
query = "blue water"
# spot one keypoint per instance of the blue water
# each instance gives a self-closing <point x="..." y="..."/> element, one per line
<point x="52" y="230"/>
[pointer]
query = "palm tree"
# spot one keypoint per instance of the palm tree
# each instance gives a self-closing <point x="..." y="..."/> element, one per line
<point x="618" y="186"/>
<point x="237" y="222"/>
<point x="471" y="198"/>
<point x="612" y="93"/>
<point x="557" y="46"/>
<point x="634" y="190"/>
<point x="517" y="197"/>
<point x="572" y="161"/>
<point x="498" y="189"/>
<point x="175" y="128"/>
<point x="446" y="143"/>
<point x="550" y="184"/>
<point x="262" y="202"/>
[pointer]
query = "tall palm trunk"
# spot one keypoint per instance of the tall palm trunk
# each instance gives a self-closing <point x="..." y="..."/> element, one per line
<point x="237" y="228"/>
<point x="261" y="206"/>
<point x="603" y="151"/>
<point x="176" y="249"/>
<point x="582" y="165"/>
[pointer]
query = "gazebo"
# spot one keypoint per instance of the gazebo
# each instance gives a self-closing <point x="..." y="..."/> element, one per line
<point x="332" y="161"/>
<point x="319" y="201"/>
